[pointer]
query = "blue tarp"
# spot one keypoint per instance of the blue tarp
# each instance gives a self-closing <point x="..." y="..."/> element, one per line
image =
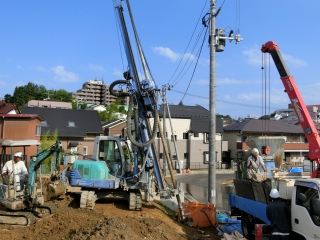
<point x="296" y="169"/>
<point x="232" y="225"/>
<point x="254" y="208"/>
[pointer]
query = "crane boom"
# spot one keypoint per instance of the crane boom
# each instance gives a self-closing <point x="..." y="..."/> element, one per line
<point x="298" y="105"/>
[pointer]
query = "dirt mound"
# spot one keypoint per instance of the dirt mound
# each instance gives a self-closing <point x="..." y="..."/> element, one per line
<point x="110" y="220"/>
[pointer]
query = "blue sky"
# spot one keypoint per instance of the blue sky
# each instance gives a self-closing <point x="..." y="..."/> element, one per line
<point x="62" y="44"/>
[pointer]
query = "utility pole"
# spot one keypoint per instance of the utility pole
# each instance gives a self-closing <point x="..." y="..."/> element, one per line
<point x="217" y="41"/>
<point x="212" y="108"/>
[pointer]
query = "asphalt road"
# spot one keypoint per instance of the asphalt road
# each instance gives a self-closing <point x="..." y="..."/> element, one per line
<point x="195" y="187"/>
<point x="201" y="179"/>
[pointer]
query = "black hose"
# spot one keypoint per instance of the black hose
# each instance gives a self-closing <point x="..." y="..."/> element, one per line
<point x="129" y="129"/>
<point x="119" y="93"/>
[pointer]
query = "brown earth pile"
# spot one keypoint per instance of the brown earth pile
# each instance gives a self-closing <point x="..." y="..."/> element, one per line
<point x="110" y="220"/>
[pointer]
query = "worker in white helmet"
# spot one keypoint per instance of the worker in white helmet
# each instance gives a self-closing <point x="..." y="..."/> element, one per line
<point x="254" y="161"/>
<point x="16" y="169"/>
<point x="278" y="214"/>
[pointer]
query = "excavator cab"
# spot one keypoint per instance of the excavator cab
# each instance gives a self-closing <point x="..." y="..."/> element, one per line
<point x="109" y="151"/>
<point x="117" y="154"/>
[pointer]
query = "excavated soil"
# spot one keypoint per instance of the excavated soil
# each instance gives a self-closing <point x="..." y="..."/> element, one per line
<point x="110" y="220"/>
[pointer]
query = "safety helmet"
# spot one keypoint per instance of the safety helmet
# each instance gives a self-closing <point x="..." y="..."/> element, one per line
<point x="18" y="154"/>
<point x="255" y="151"/>
<point x="274" y="193"/>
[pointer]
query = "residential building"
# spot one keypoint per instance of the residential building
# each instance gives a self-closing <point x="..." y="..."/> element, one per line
<point x="17" y="127"/>
<point x="76" y="128"/>
<point x="295" y="146"/>
<point x="49" y="104"/>
<point x="96" y="92"/>
<point x="8" y="108"/>
<point x="189" y="127"/>
<point x="115" y="128"/>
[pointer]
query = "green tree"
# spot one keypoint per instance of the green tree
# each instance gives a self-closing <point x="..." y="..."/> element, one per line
<point x="74" y="104"/>
<point x="8" y="98"/>
<point x="103" y="116"/>
<point x="122" y="109"/>
<point x="47" y="140"/>
<point x="111" y="109"/>
<point x="61" y="95"/>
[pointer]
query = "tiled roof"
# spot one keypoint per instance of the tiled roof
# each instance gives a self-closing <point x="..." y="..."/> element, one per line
<point x="23" y="116"/>
<point x="180" y="111"/>
<point x="200" y="117"/>
<point x="113" y="123"/>
<point x="5" y="108"/>
<point x="202" y="125"/>
<point x="85" y="121"/>
<point x="263" y="126"/>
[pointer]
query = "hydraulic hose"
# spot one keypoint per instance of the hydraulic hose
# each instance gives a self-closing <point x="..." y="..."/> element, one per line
<point x="118" y="94"/>
<point x="129" y="129"/>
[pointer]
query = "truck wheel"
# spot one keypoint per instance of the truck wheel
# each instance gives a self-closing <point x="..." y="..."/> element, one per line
<point x="247" y="226"/>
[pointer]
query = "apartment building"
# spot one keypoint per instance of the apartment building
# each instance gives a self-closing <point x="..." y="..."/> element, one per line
<point x="96" y="92"/>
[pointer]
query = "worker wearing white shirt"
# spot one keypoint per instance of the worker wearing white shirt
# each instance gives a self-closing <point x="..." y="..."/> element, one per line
<point x="17" y="168"/>
<point x="253" y="163"/>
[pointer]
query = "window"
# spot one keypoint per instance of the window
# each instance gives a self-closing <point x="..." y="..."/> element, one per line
<point x="38" y="130"/>
<point x="308" y="197"/>
<point x="71" y="124"/>
<point x="158" y="134"/>
<point x="185" y="135"/>
<point x="243" y="138"/>
<point x="44" y="123"/>
<point x="206" y="137"/>
<point x="73" y="149"/>
<point x="173" y="138"/>
<point x="186" y="155"/>
<point x="206" y="157"/>
<point x="196" y="134"/>
<point x="85" y="150"/>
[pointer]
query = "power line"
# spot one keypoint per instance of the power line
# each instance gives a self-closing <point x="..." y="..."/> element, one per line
<point x="223" y="101"/>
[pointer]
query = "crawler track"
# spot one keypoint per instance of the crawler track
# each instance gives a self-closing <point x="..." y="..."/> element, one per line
<point x="25" y="218"/>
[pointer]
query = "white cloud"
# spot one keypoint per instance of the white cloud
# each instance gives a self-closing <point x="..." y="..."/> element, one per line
<point x="290" y="60"/>
<point x="204" y="82"/>
<point x="231" y="81"/>
<point x="61" y="75"/>
<point x="118" y="73"/>
<point x="250" y="96"/>
<point x="98" y="68"/>
<point x="174" y="56"/>
<point x="255" y="57"/>
<point x="167" y="52"/>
